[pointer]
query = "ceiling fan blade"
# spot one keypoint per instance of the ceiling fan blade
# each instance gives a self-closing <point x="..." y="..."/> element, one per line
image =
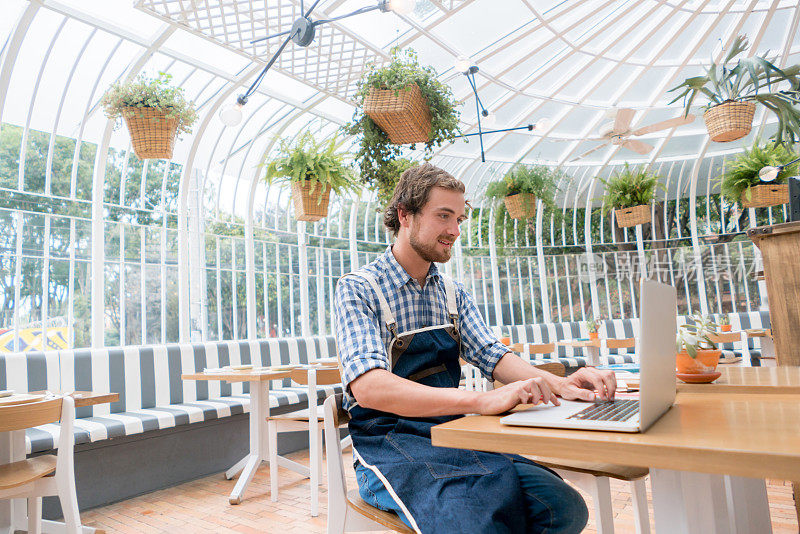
<point x="623" y="120"/>
<point x="589" y="152"/>
<point x="637" y="146"/>
<point x="664" y="125"/>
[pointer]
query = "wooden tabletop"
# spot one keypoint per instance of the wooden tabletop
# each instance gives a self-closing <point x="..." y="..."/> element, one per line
<point x="86" y="398"/>
<point x="750" y="380"/>
<point x="247" y="375"/>
<point x="743" y="435"/>
<point x="581" y="343"/>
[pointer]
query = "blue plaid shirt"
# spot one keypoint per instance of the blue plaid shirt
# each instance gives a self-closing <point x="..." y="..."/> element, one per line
<point x="362" y="338"/>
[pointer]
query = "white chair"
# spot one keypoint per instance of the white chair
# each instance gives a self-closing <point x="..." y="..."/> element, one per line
<point x="347" y="511"/>
<point x="310" y="420"/>
<point x="31" y="478"/>
<point x="593" y="478"/>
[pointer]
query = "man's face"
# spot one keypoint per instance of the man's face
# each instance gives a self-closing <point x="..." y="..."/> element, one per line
<point x="435" y="228"/>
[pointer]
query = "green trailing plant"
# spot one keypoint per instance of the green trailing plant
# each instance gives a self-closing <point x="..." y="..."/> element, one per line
<point x="538" y="180"/>
<point x="146" y="92"/>
<point x="742" y="173"/>
<point x="696" y="336"/>
<point x="593" y="325"/>
<point x="749" y="79"/>
<point x="384" y="186"/>
<point x="309" y="161"/>
<point x="376" y="153"/>
<point x="631" y="186"/>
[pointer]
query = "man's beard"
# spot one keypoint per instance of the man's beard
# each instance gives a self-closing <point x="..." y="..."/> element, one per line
<point x="428" y="252"/>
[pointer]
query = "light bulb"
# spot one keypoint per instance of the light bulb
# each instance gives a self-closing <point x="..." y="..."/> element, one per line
<point x="544" y="124"/>
<point x="462" y="64"/>
<point x="402" y="7"/>
<point x="489" y="120"/>
<point x="231" y="115"/>
<point x="768" y="174"/>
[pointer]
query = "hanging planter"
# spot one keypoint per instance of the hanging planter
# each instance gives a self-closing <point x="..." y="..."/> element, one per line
<point x="627" y="217"/>
<point x="313" y="170"/>
<point x="152" y="133"/>
<point x="310" y="200"/>
<point x="729" y="121"/>
<point x="402" y="113"/>
<point x="763" y="195"/>
<point x="520" y="205"/>
<point x="154" y="113"/>
<point x="629" y="193"/>
<point x="732" y="89"/>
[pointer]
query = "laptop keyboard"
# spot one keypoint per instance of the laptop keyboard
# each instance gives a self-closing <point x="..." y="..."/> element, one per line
<point x="617" y="410"/>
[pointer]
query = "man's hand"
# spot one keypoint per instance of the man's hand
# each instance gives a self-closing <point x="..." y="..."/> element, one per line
<point x="582" y="384"/>
<point x="529" y="391"/>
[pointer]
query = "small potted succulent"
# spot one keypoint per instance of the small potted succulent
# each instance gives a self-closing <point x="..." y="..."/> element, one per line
<point x="593" y="326"/>
<point x="733" y="88"/>
<point x="313" y="170"/>
<point x="725" y="322"/>
<point x="154" y="112"/>
<point x="629" y="192"/>
<point x="697" y="353"/>
<point x="741" y="182"/>
<point x="398" y="103"/>
<point x="522" y="185"/>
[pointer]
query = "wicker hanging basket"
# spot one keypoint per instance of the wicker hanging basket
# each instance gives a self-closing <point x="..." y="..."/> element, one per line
<point x="766" y="195"/>
<point x="521" y="205"/>
<point x="307" y="203"/>
<point x="152" y="134"/>
<point x="729" y="121"/>
<point x="627" y="217"/>
<point x="404" y="116"/>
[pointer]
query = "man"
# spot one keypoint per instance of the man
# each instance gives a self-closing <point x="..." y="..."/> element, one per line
<point x="401" y="327"/>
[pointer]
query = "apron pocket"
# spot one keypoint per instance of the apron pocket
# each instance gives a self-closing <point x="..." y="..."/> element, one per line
<point x="442" y="462"/>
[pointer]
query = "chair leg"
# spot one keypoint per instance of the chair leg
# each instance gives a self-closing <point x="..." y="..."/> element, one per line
<point x="337" y="519"/>
<point x="604" y="514"/>
<point x="640" y="512"/>
<point x="272" y="431"/>
<point x="68" y="497"/>
<point x="347" y="441"/>
<point x="34" y="515"/>
<point x="313" y="464"/>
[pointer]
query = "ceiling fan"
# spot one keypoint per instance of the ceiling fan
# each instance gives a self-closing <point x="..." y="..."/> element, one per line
<point x="618" y="132"/>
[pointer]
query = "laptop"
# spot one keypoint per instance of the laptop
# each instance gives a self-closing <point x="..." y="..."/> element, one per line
<point x="656" y="349"/>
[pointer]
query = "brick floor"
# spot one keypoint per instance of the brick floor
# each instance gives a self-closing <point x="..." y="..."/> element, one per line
<point x="202" y="506"/>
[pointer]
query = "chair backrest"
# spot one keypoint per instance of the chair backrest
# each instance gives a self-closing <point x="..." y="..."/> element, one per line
<point x="621" y="343"/>
<point x="324" y="376"/>
<point x="27" y="415"/>
<point x="333" y="417"/>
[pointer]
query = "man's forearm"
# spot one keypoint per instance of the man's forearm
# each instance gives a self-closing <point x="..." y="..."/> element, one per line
<point x="382" y="390"/>
<point x="511" y="368"/>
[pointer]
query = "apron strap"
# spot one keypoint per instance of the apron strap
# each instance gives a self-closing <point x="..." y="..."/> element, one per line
<point x="386" y="311"/>
<point x="450" y="294"/>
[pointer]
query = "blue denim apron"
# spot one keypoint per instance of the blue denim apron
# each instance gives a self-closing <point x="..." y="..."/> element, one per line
<point x="439" y="489"/>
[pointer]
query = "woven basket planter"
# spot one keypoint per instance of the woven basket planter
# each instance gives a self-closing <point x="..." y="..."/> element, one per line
<point x="307" y="203"/>
<point x="729" y="121"/>
<point x="404" y="116"/>
<point x="521" y="205"/>
<point x="766" y="195"/>
<point x="152" y="134"/>
<point x="627" y="217"/>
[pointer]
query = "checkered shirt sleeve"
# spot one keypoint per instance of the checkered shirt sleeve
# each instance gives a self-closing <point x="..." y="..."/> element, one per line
<point x="479" y="345"/>
<point x="358" y="335"/>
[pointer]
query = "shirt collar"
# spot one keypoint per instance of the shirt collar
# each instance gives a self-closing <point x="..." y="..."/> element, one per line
<point x="397" y="275"/>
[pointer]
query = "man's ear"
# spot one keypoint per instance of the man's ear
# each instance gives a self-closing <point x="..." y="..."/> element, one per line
<point x="404" y="216"/>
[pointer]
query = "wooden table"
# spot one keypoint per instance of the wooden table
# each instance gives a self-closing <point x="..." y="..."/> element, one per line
<point x="259" y="413"/>
<point x="592" y="347"/>
<point x="704" y="443"/>
<point x="12" y="449"/>
<point x="750" y="380"/>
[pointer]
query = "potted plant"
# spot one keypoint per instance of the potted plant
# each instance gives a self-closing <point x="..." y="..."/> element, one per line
<point x="522" y="185"/>
<point x="154" y="112"/>
<point x="593" y="326"/>
<point x="629" y="193"/>
<point x="385" y="184"/>
<point x="313" y="169"/>
<point x="733" y="88"/>
<point x="401" y="102"/>
<point x="725" y="323"/>
<point x="740" y="180"/>
<point x="697" y="353"/>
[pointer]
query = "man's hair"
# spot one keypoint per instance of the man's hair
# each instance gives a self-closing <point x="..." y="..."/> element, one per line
<point x="414" y="189"/>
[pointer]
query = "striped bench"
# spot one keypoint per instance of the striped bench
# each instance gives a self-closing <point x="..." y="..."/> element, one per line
<point x="152" y="395"/>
